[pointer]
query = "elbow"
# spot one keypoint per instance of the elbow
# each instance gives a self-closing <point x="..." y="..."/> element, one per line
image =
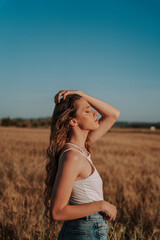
<point x="117" y="114"/>
<point x="53" y="215"/>
<point x="56" y="216"/>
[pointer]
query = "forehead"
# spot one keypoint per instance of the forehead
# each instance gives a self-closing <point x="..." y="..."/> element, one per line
<point x="82" y="104"/>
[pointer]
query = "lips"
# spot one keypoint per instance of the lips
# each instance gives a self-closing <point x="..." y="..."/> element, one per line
<point x="96" y="120"/>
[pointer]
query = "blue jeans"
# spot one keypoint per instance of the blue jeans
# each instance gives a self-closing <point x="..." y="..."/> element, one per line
<point x="92" y="227"/>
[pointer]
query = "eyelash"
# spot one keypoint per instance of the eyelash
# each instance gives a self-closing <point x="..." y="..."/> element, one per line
<point x="87" y="112"/>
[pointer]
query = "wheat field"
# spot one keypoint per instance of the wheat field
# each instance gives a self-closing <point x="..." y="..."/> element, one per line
<point x="128" y="162"/>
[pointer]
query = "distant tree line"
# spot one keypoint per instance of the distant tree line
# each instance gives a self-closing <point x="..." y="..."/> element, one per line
<point x="138" y="124"/>
<point x="46" y="122"/>
<point x="19" y="122"/>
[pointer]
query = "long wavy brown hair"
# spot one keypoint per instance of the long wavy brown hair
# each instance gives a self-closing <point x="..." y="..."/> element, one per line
<point x="60" y="130"/>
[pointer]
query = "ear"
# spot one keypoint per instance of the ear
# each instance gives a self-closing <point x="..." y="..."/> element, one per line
<point x="73" y="122"/>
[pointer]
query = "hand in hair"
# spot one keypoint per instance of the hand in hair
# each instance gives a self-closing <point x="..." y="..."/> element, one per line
<point x="64" y="93"/>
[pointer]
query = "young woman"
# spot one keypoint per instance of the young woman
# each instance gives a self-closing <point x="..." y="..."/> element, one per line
<point x="74" y="188"/>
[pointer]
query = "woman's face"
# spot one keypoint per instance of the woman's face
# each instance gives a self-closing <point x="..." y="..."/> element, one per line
<point x="86" y="116"/>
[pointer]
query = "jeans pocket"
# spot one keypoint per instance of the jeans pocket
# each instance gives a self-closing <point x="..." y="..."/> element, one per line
<point x="103" y="228"/>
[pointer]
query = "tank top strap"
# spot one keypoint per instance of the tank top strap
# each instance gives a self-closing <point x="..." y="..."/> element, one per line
<point x="70" y="149"/>
<point x="79" y="148"/>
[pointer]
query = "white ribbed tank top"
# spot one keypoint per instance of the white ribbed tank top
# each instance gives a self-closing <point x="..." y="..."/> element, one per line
<point x="88" y="189"/>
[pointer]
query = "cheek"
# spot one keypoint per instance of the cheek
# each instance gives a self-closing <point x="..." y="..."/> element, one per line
<point x="83" y="120"/>
<point x="86" y="121"/>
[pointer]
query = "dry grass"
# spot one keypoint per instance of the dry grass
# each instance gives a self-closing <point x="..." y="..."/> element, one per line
<point x="128" y="163"/>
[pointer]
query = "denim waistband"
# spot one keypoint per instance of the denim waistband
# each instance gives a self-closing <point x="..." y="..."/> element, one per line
<point x="97" y="215"/>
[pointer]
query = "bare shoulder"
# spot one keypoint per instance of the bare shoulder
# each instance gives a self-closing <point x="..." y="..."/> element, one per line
<point x="71" y="159"/>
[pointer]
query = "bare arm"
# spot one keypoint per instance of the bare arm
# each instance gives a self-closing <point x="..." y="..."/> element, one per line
<point x="67" y="172"/>
<point x="106" y="110"/>
<point x="69" y="212"/>
<point x="109" y="116"/>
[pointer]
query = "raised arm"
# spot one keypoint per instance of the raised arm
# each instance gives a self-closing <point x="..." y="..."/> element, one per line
<point x="109" y="116"/>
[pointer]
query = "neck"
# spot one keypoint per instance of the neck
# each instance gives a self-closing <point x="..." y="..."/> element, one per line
<point x="79" y="138"/>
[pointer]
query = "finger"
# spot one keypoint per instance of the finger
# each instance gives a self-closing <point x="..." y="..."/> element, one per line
<point x="56" y="96"/>
<point x="62" y="92"/>
<point x="59" y="95"/>
<point x="65" y="94"/>
<point x="111" y="218"/>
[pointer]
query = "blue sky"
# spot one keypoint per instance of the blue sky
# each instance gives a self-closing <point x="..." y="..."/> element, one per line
<point x="107" y="49"/>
